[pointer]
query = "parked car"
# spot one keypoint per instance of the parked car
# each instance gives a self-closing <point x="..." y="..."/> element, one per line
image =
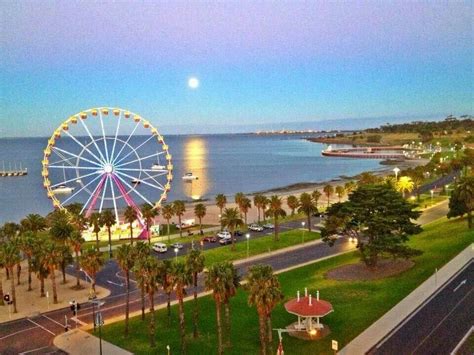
<point x="238" y="233"/>
<point x="223" y="234"/>
<point x="225" y="241"/>
<point x="255" y="227"/>
<point x="177" y="245"/>
<point x="160" y="247"/>
<point x="268" y="226"/>
<point x="209" y="239"/>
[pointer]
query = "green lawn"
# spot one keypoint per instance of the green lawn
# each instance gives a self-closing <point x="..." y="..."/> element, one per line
<point x="258" y="246"/>
<point x="356" y="304"/>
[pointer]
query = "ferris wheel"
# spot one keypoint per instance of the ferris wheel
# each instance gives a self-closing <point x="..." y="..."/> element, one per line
<point x="107" y="158"/>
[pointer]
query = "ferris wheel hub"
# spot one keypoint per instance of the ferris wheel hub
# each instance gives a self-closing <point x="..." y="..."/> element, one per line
<point x="108" y="168"/>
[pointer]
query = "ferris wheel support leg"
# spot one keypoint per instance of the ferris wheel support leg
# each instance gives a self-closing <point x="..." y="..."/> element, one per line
<point x="128" y="199"/>
<point x="96" y="195"/>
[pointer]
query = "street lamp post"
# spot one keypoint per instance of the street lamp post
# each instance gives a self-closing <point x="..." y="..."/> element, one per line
<point x="304" y="230"/>
<point x="431" y="193"/>
<point x="396" y="170"/>
<point x="98" y="320"/>
<point x="176" y="254"/>
<point x="248" y="239"/>
<point x="220" y="221"/>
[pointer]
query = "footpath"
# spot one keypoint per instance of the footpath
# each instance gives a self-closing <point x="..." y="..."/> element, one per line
<point x="378" y="330"/>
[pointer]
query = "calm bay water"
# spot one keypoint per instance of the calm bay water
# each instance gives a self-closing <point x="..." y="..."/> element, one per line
<point x="223" y="163"/>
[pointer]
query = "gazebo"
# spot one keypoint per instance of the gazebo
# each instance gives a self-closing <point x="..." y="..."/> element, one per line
<point x="309" y="312"/>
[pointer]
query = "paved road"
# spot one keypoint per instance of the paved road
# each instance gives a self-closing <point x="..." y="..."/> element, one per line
<point x="440" y="324"/>
<point x="38" y="333"/>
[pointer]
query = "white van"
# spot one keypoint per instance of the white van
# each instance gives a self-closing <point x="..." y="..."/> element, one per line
<point x="160" y="247"/>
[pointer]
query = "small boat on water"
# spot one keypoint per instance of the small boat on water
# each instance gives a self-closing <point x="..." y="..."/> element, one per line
<point x="63" y="190"/>
<point x="189" y="177"/>
<point x="158" y="167"/>
<point x="135" y="181"/>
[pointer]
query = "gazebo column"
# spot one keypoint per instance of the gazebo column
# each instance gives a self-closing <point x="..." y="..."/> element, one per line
<point x="299" y="322"/>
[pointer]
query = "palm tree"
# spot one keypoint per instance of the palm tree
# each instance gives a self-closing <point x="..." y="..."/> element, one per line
<point x="11" y="257"/>
<point x="126" y="259"/>
<point x="92" y="261"/>
<point x="404" y="184"/>
<point x="130" y="215"/>
<point x="221" y="201"/>
<point x="142" y="251"/>
<point x="276" y="211"/>
<point x="76" y="217"/>
<point x="367" y="178"/>
<point x="215" y="282"/>
<point x="181" y="278"/>
<point x="328" y="191"/>
<point x="264" y="293"/>
<point x="61" y="231"/>
<point x="149" y="213"/>
<point x="231" y="219"/>
<point x="34" y="223"/>
<point x="264" y="203"/>
<point x="417" y="178"/>
<point x="195" y="264"/>
<point x="316" y="195"/>
<point x="95" y="220"/>
<point x="307" y="207"/>
<point x="168" y="212"/>
<point x="232" y="282"/>
<point x="238" y="198"/>
<point x="200" y="212"/>
<point x="293" y="203"/>
<point x="465" y="191"/>
<point x="52" y="259"/>
<point x="164" y="274"/>
<point x="108" y="220"/>
<point x="146" y="272"/>
<point x="246" y="204"/>
<point x="76" y="242"/>
<point x="28" y="244"/>
<point x="257" y="202"/>
<point x="350" y="186"/>
<point x="39" y="266"/>
<point x="179" y="209"/>
<point x="340" y="192"/>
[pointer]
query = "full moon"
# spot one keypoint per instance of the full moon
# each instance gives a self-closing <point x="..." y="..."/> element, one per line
<point x="193" y="83"/>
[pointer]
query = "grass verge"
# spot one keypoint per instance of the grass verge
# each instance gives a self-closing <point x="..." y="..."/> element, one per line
<point x="357" y="304"/>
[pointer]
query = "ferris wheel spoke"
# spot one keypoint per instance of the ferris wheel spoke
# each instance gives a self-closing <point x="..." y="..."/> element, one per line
<point x="113" y="200"/>
<point x="140" y="159"/>
<point x="74" y="167"/>
<point x="102" y="199"/>
<point x="74" y="179"/>
<point x="145" y="182"/>
<point x="116" y="135"/>
<point x="159" y="172"/>
<point x="103" y="135"/>
<point x="76" y="156"/>
<point x="94" y="192"/>
<point x="93" y="140"/>
<point x="150" y="177"/>
<point x="63" y="160"/>
<point x="135" y="149"/>
<point x="83" y="146"/>
<point x="126" y="142"/>
<point x="133" y="190"/>
<point x="81" y="189"/>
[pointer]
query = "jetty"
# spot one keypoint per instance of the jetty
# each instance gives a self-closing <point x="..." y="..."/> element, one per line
<point x="13" y="172"/>
<point x="389" y="152"/>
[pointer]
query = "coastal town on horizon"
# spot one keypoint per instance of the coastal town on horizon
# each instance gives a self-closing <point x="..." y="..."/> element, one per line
<point x="183" y="177"/>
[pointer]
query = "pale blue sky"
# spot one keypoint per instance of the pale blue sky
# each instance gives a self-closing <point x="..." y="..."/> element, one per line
<point x="258" y="62"/>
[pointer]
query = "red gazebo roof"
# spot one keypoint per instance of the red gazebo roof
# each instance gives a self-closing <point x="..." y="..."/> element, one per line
<point x="304" y="309"/>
